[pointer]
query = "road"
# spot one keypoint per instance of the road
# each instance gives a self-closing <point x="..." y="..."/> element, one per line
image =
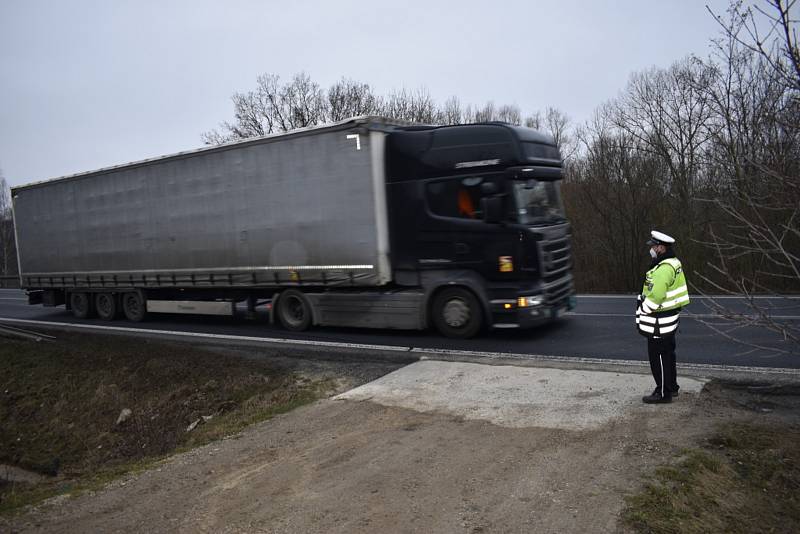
<point x="601" y="326"/>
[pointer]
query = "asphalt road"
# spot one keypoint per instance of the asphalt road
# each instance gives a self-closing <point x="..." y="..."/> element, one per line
<point x="600" y="327"/>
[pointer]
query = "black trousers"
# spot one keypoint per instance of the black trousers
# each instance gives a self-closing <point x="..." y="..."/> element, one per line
<point x="661" y="351"/>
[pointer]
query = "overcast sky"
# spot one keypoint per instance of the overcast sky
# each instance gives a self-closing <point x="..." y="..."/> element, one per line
<point x="88" y="84"/>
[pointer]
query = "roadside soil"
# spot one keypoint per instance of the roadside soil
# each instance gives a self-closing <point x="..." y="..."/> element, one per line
<point x="84" y="409"/>
<point x="360" y="467"/>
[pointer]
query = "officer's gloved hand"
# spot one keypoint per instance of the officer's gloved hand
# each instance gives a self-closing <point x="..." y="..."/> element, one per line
<point x="643" y="309"/>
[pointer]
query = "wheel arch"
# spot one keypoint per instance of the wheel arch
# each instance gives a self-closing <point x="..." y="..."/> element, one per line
<point x="473" y="283"/>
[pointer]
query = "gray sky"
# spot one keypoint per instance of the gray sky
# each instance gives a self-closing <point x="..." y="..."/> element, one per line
<point x="88" y="84"/>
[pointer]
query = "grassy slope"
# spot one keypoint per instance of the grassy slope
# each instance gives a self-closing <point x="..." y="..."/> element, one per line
<point x="745" y="479"/>
<point x="59" y="403"/>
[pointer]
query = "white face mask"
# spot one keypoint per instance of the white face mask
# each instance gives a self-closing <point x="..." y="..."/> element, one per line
<point x="653" y="253"/>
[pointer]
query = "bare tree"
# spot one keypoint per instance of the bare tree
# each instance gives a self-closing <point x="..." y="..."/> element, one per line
<point x="510" y="114"/>
<point x="413" y="106"/>
<point x="611" y="194"/>
<point x="667" y="112"/>
<point x="348" y="98"/>
<point x="768" y="31"/>
<point x="485" y="114"/>
<point x="8" y="262"/>
<point x="534" y="121"/>
<point x="302" y="103"/>
<point x="452" y="113"/>
<point x="756" y="237"/>
<point x="558" y="124"/>
<point x="273" y="107"/>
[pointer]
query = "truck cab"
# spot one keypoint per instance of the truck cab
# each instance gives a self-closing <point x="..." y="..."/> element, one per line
<point x="479" y="207"/>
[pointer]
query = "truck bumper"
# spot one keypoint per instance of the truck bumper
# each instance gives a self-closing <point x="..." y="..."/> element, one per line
<point x="529" y="308"/>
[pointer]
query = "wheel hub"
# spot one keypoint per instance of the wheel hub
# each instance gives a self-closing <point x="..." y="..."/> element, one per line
<point x="294" y="310"/>
<point x="132" y="304"/>
<point x="104" y="304"/>
<point x="456" y="313"/>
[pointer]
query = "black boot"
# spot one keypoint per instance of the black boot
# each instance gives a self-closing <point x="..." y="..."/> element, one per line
<point x="657" y="398"/>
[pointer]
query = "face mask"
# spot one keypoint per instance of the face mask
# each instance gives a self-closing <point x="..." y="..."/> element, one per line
<point x="653" y="253"/>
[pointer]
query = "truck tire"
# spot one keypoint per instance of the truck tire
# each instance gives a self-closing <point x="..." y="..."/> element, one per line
<point x="106" y="306"/>
<point x="134" y="306"/>
<point x="294" y="311"/>
<point x="82" y="305"/>
<point x="457" y="313"/>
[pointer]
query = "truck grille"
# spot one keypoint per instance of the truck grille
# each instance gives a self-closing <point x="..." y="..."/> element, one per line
<point x="556" y="261"/>
<point x="558" y="293"/>
<point x="556" y="258"/>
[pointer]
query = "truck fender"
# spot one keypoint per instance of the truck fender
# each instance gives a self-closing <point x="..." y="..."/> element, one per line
<point x="273" y="304"/>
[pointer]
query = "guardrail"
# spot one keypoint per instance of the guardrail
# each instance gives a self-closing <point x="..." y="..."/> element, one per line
<point x="9" y="282"/>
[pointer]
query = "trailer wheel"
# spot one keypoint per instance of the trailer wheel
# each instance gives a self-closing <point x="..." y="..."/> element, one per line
<point x="82" y="305"/>
<point x="457" y="313"/>
<point x="294" y="311"/>
<point x="134" y="306"/>
<point x="106" y="306"/>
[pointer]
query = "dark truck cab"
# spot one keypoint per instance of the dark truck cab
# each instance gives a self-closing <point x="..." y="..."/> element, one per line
<point x="479" y="206"/>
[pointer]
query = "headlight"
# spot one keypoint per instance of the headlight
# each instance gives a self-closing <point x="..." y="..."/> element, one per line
<point x="526" y="302"/>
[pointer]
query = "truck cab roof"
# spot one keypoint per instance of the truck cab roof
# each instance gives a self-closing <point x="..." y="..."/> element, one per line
<point x="420" y="152"/>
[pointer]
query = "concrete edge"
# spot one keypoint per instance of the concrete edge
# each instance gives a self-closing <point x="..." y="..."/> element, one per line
<point x="700" y="371"/>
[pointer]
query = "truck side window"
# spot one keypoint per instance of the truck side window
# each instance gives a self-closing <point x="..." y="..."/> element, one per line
<point x="455" y="197"/>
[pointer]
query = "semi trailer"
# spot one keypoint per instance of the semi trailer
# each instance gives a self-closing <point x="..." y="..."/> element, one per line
<point x="367" y="222"/>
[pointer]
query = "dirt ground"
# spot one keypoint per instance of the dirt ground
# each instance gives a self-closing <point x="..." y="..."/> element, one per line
<point x="358" y="467"/>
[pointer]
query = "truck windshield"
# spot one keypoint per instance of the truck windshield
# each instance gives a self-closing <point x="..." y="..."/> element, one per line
<point x="538" y="202"/>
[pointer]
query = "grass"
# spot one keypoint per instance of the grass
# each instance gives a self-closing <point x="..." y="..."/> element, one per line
<point x="745" y="479"/>
<point x="60" y="401"/>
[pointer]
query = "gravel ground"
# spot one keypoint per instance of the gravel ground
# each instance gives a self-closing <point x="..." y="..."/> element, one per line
<point x="357" y="466"/>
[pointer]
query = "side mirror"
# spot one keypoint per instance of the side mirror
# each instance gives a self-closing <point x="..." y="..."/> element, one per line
<point x="492" y="208"/>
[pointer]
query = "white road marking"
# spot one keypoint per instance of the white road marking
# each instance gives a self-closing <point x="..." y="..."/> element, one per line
<point x="683" y="316"/>
<point x="425" y="353"/>
<point x="333" y="344"/>
<point x="696" y="297"/>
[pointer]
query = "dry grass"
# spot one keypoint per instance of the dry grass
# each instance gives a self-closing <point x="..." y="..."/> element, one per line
<point x="745" y="479"/>
<point x="59" y="404"/>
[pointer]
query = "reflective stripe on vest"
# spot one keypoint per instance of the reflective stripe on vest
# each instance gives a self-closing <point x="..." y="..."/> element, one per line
<point x="677" y="294"/>
<point x="649" y="325"/>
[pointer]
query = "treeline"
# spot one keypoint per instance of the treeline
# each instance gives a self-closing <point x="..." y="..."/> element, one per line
<point x="707" y="150"/>
<point x="276" y="106"/>
<point x="8" y="250"/>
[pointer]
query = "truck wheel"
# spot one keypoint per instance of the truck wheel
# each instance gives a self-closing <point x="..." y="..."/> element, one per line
<point x="457" y="313"/>
<point x="294" y="311"/>
<point x="134" y="306"/>
<point x="106" y="306"/>
<point x="82" y="305"/>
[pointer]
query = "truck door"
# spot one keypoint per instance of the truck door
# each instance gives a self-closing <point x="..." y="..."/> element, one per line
<point x="453" y="233"/>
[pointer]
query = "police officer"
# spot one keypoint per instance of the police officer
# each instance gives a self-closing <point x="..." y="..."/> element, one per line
<point x="663" y="295"/>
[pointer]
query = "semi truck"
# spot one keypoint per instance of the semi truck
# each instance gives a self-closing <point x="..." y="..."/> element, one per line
<point x="367" y="222"/>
